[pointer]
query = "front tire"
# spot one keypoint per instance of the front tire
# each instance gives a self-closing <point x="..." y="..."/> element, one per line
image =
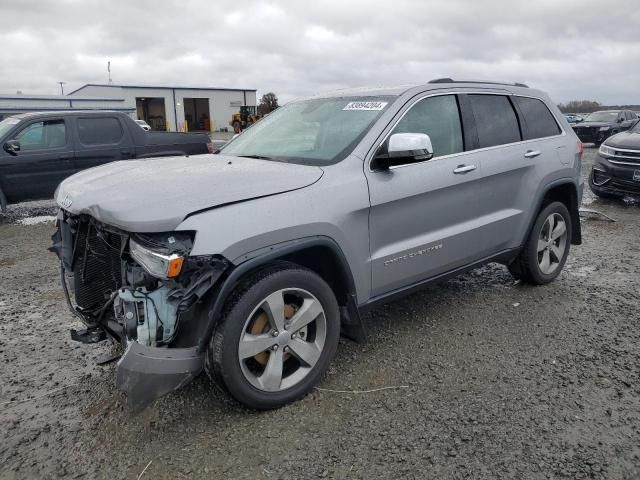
<point x="278" y="333"/>
<point x="546" y="250"/>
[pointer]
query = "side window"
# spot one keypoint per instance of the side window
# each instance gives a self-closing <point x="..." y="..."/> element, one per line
<point x="42" y="135"/>
<point x="537" y="117"/>
<point x="439" y="118"/>
<point x="99" y="130"/>
<point x="496" y="121"/>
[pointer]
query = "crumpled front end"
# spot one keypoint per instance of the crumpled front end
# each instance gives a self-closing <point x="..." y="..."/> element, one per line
<point x="143" y="290"/>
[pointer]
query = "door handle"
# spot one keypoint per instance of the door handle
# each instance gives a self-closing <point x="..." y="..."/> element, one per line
<point x="464" y="169"/>
<point x="532" y="153"/>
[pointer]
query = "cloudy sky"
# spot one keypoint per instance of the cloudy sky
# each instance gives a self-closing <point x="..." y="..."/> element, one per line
<point x="573" y="49"/>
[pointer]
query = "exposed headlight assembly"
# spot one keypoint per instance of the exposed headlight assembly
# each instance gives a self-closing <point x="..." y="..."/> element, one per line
<point x="157" y="264"/>
<point x="604" y="129"/>
<point x="606" y="151"/>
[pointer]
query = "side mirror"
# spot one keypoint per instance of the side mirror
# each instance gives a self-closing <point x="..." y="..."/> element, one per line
<point x="620" y="120"/>
<point x="12" y="147"/>
<point x="402" y="149"/>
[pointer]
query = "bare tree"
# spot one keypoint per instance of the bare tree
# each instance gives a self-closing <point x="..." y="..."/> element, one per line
<point x="580" y="106"/>
<point x="268" y="103"/>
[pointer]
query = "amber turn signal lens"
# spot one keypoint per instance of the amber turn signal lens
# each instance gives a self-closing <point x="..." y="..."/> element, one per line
<point x="175" y="265"/>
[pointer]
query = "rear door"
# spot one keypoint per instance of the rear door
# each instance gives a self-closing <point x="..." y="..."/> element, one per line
<point x="514" y="169"/>
<point x="44" y="160"/>
<point x="425" y="218"/>
<point x="101" y="139"/>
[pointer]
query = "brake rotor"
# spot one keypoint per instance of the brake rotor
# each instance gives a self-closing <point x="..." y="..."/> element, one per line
<point x="260" y="324"/>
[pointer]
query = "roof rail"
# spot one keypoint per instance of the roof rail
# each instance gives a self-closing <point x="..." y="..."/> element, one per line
<point x="450" y="80"/>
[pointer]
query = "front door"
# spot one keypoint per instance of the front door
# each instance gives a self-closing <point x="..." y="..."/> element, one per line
<point x="45" y="159"/>
<point x="426" y="218"/>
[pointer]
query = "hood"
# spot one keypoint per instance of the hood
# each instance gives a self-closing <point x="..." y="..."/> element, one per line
<point x="156" y="194"/>
<point x="628" y="139"/>
<point x="593" y="124"/>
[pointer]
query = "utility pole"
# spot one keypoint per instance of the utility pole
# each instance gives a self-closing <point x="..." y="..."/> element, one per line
<point x="61" y="88"/>
<point x="109" y="71"/>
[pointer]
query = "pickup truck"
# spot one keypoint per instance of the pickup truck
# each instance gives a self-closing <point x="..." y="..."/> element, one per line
<point x="39" y="150"/>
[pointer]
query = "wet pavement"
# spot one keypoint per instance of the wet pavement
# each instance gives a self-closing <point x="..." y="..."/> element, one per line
<point x="498" y="380"/>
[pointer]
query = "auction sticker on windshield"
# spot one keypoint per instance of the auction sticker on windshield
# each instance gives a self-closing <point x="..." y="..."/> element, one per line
<point x="365" y="106"/>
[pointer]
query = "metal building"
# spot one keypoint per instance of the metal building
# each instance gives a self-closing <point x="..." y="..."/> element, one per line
<point x="19" y="103"/>
<point x="175" y="108"/>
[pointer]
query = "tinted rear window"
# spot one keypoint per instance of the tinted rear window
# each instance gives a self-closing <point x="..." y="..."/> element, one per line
<point x="496" y="120"/>
<point x="537" y="117"/>
<point x="99" y="131"/>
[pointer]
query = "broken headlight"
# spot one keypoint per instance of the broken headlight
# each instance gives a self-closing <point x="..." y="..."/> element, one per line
<point x="161" y="257"/>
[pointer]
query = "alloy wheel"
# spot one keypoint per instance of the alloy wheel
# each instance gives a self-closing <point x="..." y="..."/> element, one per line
<point x="282" y="339"/>
<point x="552" y="243"/>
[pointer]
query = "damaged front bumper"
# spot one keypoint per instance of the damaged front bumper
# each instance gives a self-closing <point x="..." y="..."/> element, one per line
<point x="160" y="322"/>
<point x="147" y="373"/>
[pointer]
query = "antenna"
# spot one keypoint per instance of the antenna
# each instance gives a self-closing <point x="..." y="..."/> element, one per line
<point x="61" y="88"/>
<point x="109" y="71"/>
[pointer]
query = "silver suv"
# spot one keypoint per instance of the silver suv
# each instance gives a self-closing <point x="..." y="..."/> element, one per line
<point x="249" y="264"/>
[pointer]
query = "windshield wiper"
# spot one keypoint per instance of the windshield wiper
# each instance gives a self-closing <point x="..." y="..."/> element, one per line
<point x="258" y="157"/>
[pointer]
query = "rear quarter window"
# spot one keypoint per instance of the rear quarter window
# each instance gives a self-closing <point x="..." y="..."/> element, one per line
<point x="99" y="130"/>
<point x="538" y="120"/>
<point x="496" y="121"/>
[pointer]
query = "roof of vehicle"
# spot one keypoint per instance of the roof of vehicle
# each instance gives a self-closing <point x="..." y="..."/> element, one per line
<point x="438" y="83"/>
<point x="48" y="113"/>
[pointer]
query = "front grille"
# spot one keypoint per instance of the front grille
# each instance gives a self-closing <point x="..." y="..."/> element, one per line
<point x="625" y="157"/>
<point x="626" y="186"/>
<point x="96" y="267"/>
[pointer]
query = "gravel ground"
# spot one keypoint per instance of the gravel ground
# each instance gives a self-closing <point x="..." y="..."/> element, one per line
<point x="500" y="380"/>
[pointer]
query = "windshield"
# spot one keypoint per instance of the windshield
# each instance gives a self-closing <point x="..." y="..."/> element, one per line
<point x="313" y="132"/>
<point x="602" y="117"/>
<point x="7" y="124"/>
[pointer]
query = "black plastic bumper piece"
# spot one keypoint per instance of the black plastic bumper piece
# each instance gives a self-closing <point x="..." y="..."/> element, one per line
<point x="145" y="374"/>
<point x="89" y="335"/>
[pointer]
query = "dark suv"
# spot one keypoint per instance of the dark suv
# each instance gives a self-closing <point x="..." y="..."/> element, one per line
<point x="598" y="126"/>
<point x="617" y="170"/>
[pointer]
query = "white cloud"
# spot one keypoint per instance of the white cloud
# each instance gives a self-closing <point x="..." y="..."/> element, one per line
<point x="573" y="49"/>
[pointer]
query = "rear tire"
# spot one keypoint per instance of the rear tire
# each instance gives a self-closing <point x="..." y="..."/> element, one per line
<point x="265" y="360"/>
<point x="547" y="247"/>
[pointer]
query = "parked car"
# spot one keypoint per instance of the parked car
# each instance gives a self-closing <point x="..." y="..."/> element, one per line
<point x="250" y="266"/>
<point x="143" y="125"/>
<point x="573" y="118"/>
<point x="598" y="126"/>
<point x="39" y="150"/>
<point x="616" y="171"/>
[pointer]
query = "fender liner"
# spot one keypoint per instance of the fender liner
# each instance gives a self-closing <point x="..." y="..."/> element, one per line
<point x="3" y="201"/>
<point x="352" y="325"/>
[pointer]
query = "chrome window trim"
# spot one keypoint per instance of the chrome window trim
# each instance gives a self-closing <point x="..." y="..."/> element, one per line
<point x="376" y="145"/>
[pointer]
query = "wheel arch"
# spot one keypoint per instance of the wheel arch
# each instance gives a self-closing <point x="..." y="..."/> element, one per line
<point x="566" y="192"/>
<point x="319" y="254"/>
